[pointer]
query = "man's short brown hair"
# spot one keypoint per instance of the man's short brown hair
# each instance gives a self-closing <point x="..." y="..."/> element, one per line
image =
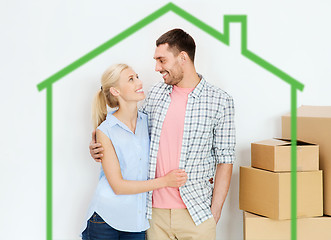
<point x="178" y="41"/>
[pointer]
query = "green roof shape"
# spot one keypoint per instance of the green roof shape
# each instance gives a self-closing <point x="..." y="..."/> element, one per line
<point x="222" y="37"/>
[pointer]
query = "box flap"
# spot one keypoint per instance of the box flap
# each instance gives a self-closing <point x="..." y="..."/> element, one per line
<point x="299" y="142"/>
<point x="282" y="142"/>
<point x="274" y="142"/>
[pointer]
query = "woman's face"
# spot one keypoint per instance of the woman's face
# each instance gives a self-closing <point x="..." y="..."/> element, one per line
<point x="130" y="86"/>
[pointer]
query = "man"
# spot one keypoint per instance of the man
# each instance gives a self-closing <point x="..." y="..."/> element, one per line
<point x="191" y="125"/>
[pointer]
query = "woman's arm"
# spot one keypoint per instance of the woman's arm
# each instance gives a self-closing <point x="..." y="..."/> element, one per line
<point x="112" y="170"/>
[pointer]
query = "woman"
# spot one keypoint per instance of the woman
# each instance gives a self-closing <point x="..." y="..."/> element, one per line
<point x="118" y="208"/>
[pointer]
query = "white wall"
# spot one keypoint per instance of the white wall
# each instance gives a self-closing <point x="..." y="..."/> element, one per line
<point x="38" y="38"/>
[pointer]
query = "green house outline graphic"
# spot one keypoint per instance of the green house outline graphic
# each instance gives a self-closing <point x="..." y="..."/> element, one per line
<point x="222" y="37"/>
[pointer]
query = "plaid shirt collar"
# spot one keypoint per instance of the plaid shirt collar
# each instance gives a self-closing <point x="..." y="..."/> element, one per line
<point x="197" y="90"/>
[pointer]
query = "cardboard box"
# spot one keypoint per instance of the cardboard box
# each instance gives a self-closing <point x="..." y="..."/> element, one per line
<point x="275" y="155"/>
<point x="269" y="194"/>
<point x="262" y="228"/>
<point x="314" y="125"/>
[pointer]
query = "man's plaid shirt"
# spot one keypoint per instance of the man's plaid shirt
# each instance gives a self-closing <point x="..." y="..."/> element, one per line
<point x="208" y="139"/>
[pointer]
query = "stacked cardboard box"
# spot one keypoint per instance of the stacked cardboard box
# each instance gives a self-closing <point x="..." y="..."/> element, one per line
<point x="262" y="228"/>
<point x="314" y="125"/>
<point x="275" y="155"/>
<point x="265" y="187"/>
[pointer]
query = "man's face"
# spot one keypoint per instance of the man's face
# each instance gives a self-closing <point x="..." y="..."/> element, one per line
<point x="168" y="65"/>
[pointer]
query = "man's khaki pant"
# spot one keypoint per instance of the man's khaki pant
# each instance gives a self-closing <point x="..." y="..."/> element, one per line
<point x="178" y="224"/>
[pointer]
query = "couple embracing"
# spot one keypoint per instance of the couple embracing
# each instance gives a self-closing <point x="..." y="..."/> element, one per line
<point x="166" y="168"/>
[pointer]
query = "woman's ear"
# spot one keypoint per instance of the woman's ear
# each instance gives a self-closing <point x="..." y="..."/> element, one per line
<point x="114" y="92"/>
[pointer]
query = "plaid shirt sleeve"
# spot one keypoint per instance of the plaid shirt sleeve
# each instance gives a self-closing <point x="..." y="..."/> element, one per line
<point x="224" y="139"/>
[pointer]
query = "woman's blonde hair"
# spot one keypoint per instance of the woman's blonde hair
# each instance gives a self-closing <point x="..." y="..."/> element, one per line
<point x="103" y="97"/>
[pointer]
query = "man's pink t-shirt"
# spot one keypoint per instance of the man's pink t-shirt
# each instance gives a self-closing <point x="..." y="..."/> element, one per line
<point x="170" y="148"/>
